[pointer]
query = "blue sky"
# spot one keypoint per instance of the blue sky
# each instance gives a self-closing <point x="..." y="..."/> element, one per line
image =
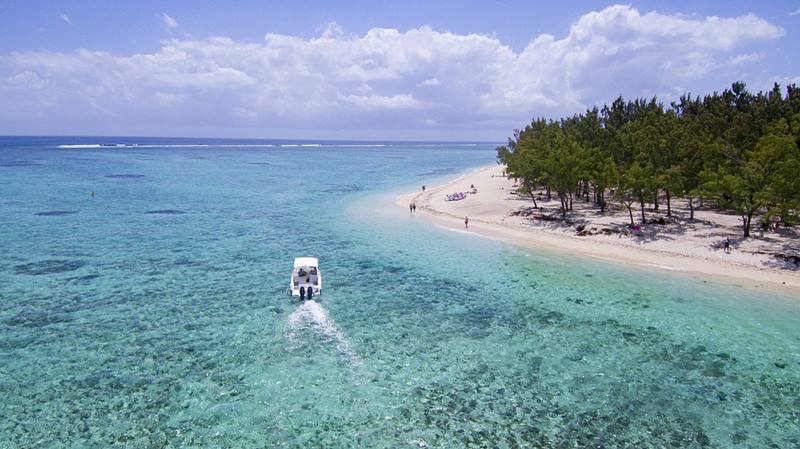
<point x="369" y="70"/>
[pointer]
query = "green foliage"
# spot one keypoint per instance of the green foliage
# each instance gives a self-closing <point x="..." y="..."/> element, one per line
<point x="737" y="148"/>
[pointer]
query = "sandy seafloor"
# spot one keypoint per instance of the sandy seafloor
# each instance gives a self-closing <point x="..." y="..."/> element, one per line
<point x="155" y="314"/>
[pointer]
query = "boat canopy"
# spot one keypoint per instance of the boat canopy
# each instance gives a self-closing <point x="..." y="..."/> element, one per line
<point x="306" y="262"/>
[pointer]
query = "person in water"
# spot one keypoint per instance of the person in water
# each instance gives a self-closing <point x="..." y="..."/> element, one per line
<point x="466" y="222"/>
<point x="411" y="207"/>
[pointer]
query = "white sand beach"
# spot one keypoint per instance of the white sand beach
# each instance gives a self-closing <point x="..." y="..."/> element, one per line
<point x="695" y="247"/>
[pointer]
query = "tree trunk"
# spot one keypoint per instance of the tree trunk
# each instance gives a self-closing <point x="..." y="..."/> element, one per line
<point x="746" y="219"/>
<point x="641" y="202"/>
<point x="630" y="212"/>
<point x="548" y="193"/>
<point x="602" y="203"/>
<point x="563" y="206"/>
<point x="533" y="197"/>
<point x="669" y="210"/>
<point x="655" y="200"/>
<point x="570" y="201"/>
<point x="691" y="209"/>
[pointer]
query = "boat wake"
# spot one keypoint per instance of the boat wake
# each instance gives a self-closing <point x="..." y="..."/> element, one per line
<point x="310" y="315"/>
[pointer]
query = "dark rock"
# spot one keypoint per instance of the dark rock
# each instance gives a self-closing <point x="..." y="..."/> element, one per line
<point x="18" y="163"/>
<point x="56" y="213"/>
<point x="166" y="212"/>
<point x="714" y="369"/>
<point x="48" y="267"/>
<point x="343" y="188"/>
<point x="124" y="176"/>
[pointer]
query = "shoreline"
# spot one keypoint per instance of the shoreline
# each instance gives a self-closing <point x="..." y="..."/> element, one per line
<point x="489" y="217"/>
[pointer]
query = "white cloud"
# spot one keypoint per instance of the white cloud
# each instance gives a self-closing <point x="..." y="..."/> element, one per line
<point x="430" y="82"/>
<point x="368" y="102"/>
<point x="746" y="58"/>
<point x="169" y="22"/>
<point x="65" y="18"/>
<point x="384" y="79"/>
<point x="795" y="12"/>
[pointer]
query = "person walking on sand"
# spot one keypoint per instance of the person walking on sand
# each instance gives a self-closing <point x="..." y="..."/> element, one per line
<point x="727" y="245"/>
<point x="466" y="222"/>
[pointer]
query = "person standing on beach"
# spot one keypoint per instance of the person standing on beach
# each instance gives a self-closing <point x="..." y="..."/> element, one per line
<point x="727" y="245"/>
<point x="411" y="207"/>
<point x="466" y="222"/>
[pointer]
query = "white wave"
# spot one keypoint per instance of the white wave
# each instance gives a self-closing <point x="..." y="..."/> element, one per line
<point x="165" y="145"/>
<point x="255" y="145"/>
<point x="311" y="315"/>
<point x="446" y="145"/>
<point x="364" y="145"/>
<point x="94" y="145"/>
<point x="170" y="145"/>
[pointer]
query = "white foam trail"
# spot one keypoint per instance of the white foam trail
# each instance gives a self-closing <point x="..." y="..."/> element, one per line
<point x="311" y="315"/>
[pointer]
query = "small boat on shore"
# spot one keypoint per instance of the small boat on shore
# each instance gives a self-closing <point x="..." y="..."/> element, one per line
<point x="306" y="280"/>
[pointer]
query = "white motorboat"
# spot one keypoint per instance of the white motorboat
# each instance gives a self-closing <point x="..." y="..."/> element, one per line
<point x="306" y="280"/>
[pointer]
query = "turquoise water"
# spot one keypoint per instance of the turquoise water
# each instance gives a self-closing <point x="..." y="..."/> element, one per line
<point x="156" y="314"/>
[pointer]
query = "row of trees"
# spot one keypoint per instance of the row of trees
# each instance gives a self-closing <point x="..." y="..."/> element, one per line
<point x="735" y="148"/>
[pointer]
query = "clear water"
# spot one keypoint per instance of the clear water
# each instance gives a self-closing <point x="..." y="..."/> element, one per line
<point x="156" y="314"/>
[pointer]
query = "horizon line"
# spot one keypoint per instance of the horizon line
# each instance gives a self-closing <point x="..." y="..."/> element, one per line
<point x="109" y="136"/>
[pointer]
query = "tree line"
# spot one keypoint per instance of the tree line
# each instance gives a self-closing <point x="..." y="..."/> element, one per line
<point x="736" y="149"/>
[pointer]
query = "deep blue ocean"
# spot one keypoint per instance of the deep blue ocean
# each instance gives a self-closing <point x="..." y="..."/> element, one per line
<point x="155" y="313"/>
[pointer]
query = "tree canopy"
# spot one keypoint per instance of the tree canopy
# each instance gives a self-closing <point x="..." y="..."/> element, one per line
<point x="734" y="148"/>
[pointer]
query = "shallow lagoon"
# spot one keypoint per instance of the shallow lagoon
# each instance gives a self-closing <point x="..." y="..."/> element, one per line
<point x="155" y="315"/>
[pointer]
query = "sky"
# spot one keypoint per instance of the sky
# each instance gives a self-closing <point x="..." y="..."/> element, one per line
<point x="379" y="70"/>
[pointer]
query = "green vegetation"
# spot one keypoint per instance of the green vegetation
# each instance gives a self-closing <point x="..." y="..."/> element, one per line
<point x="735" y="149"/>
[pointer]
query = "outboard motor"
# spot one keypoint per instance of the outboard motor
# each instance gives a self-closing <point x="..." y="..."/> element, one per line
<point x="303" y="293"/>
<point x="310" y="292"/>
